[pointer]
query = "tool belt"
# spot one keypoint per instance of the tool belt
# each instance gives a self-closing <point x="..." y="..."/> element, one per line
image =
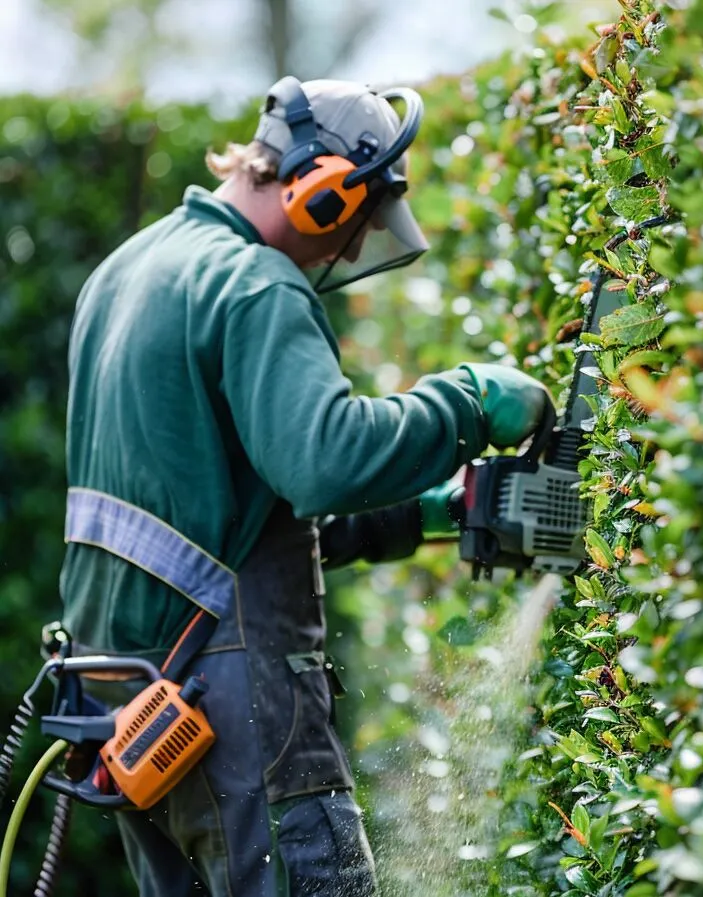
<point x="103" y="521"/>
<point x="272" y="609"/>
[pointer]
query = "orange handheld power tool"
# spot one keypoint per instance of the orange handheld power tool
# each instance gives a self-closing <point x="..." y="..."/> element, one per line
<point x="138" y="754"/>
<point x="126" y="760"/>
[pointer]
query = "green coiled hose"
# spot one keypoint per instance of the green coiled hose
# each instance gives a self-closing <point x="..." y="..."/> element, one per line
<point x="37" y="774"/>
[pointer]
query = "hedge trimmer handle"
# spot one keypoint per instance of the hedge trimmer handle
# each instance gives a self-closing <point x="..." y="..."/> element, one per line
<point x="542" y="436"/>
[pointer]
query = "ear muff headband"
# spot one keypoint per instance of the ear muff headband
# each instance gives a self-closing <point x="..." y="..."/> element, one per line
<point x="301" y="122"/>
<point x="322" y="190"/>
<point x="409" y="127"/>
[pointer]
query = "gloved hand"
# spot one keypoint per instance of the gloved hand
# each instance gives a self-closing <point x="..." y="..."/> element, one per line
<point x="386" y="534"/>
<point x="438" y="511"/>
<point x="391" y="533"/>
<point x="513" y="402"/>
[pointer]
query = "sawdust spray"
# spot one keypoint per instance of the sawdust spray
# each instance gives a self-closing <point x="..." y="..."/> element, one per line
<point x="439" y="804"/>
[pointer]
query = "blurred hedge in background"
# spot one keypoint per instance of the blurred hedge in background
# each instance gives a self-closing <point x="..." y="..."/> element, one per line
<point x="524" y="169"/>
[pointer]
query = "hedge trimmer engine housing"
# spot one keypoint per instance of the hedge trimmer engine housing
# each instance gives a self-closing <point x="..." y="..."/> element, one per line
<point x="525" y="511"/>
<point x="520" y="513"/>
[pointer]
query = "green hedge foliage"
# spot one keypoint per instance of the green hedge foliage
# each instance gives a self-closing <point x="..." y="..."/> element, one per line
<point x="525" y="169"/>
<point x="528" y="170"/>
<point x="620" y="743"/>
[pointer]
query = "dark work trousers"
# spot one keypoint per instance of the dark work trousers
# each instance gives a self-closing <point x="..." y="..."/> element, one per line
<point x="268" y="811"/>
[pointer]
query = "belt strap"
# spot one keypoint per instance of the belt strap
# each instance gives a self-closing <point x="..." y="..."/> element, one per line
<point x="98" y="519"/>
<point x="193" y="639"/>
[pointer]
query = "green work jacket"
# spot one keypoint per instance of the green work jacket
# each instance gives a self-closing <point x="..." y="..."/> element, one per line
<point x="204" y="384"/>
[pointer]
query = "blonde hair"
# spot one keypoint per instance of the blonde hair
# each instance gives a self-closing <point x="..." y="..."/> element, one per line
<point x="258" y="162"/>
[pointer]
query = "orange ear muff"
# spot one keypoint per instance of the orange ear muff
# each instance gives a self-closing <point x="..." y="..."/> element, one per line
<point x="316" y="200"/>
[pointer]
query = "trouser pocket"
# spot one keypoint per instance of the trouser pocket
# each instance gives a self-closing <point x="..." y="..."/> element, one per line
<point x="324" y="849"/>
<point x="311" y="758"/>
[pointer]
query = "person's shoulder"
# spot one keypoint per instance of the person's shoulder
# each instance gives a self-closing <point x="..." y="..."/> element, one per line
<point x="265" y="268"/>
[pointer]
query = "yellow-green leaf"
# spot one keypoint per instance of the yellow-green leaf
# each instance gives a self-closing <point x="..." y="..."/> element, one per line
<point x="647" y="509"/>
<point x="598" y="549"/>
<point x="622" y="70"/>
<point x="632" y="325"/>
<point x="584" y="586"/>
<point x="620" y="118"/>
<point x="600" y="504"/>
<point x="644" y="358"/>
<point x="605" y="52"/>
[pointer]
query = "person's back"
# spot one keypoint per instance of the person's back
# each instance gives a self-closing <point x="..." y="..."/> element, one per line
<point x="148" y="421"/>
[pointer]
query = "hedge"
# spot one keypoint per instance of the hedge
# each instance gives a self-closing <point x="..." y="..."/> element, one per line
<point x="530" y="171"/>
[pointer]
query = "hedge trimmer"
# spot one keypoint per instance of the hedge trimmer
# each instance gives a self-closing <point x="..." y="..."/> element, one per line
<point x="524" y="511"/>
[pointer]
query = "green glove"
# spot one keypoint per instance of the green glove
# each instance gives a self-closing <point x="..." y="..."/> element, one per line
<point x="513" y="402"/>
<point x="436" y="511"/>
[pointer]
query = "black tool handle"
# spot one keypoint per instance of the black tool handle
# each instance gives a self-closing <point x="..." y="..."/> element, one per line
<point x="543" y="434"/>
<point x="85" y="794"/>
<point x="99" y="663"/>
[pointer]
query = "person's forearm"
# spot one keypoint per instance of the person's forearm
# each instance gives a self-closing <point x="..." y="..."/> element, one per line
<point x="319" y="447"/>
<point x="326" y="451"/>
<point x="387" y="534"/>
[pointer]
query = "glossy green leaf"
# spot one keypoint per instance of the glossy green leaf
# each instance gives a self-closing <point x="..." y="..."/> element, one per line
<point x="459" y="631"/>
<point x="580" y="818"/>
<point x="559" y="668"/>
<point x="519" y="850"/>
<point x="618" y="166"/>
<point x="604" y="714"/>
<point x="655" y="159"/>
<point x="599" y="549"/>
<point x="597" y="832"/>
<point x="633" y="325"/>
<point x="642" y="889"/>
<point x="634" y="203"/>
<point x="582" y="879"/>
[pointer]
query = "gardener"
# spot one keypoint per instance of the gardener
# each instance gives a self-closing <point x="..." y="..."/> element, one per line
<point x="205" y="389"/>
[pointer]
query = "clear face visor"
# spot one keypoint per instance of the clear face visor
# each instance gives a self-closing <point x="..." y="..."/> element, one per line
<point x="388" y="237"/>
